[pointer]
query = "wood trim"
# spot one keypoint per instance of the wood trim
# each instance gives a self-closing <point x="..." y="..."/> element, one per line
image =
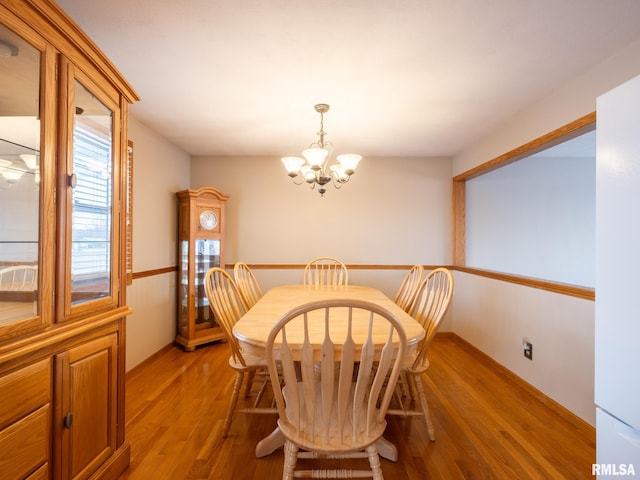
<point x="459" y="219"/>
<point x="300" y="266"/>
<point x="284" y="266"/>
<point x="563" y="288"/>
<point x="559" y="135"/>
<point x="156" y="271"/>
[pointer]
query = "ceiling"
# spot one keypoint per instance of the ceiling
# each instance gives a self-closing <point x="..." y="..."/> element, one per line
<point x="403" y="78"/>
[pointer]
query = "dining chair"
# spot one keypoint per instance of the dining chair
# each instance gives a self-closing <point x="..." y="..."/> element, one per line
<point x="428" y="308"/>
<point x="407" y="291"/>
<point x="228" y="306"/>
<point x="325" y="271"/>
<point x="22" y="278"/>
<point x="333" y="399"/>
<point x="247" y="284"/>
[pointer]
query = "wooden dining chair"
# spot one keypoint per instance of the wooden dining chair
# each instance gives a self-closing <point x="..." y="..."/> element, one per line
<point x="333" y="398"/>
<point x="407" y="291"/>
<point x="228" y="306"/>
<point x="325" y="271"/>
<point x="428" y="308"/>
<point x="19" y="278"/>
<point x="247" y="284"/>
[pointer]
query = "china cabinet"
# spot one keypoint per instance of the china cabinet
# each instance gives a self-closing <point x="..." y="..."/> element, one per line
<point x="201" y="225"/>
<point x="63" y="144"/>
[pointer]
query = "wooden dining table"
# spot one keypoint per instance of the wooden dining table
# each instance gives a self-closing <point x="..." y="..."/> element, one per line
<point x="254" y="327"/>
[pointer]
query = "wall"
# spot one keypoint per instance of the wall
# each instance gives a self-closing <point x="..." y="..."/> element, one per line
<point x="546" y="208"/>
<point x="159" y="170"/>
<point x="393" y="211"/>
<point x="496" y="316"/>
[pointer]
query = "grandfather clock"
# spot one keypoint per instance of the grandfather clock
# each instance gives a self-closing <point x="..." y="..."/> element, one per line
<point x="200" y="247"/>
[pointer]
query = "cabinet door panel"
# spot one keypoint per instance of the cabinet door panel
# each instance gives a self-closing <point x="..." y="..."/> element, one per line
<point x="86" y="379"/>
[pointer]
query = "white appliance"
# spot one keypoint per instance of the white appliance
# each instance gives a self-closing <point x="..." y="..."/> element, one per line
<point x="617" y="307"/>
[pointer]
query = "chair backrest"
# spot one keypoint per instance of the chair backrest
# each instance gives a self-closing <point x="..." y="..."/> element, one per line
<point x="247" y="284"/>
<point x="325" y="271"/>
<point x="19" y="278"/>
<point x="430" y="305"/>
<point x="336" y="396"/>
<point x="227" y="306"/>
<point x="407" y="291"/>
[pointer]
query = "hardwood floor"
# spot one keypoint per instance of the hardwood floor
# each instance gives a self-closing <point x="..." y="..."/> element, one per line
<point x="489" y="424"/>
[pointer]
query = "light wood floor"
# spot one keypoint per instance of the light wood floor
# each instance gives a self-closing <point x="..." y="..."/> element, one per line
<point x="489" y="425"/>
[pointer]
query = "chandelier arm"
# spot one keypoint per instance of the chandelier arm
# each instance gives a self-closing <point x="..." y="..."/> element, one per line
<point x="293" y="179"/>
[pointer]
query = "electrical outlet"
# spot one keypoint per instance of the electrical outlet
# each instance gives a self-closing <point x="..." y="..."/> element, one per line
<point x="528" y="350"/>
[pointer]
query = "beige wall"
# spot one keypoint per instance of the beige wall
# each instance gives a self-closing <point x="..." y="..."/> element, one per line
<point x="496" y="316"/>
<point x="393" y="211"/>
<point x="160" y="169"/>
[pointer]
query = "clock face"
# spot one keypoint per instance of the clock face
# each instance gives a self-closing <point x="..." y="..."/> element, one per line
<point x="208" y="220"/>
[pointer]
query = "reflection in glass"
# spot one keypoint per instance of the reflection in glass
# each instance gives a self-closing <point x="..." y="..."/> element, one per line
<point x="19" y="177"/>
<point x="92" y="198"/>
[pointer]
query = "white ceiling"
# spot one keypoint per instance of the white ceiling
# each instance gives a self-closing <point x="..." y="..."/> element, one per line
<point x="403" y="77"/>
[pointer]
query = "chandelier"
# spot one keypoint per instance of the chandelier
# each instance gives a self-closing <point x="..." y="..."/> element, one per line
<point x="11" y="172"/>
<point x="313" y="170"/>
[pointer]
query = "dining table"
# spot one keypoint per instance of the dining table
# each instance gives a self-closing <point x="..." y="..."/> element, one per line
<point x="253" y="327"/>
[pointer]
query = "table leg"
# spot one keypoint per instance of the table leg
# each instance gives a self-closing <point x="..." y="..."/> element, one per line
<point x="270" y="444"/>
<point x="387" y="450"/>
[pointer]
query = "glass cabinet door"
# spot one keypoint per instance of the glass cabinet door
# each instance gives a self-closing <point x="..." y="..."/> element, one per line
<point x="90" y="279"/>
<point x="20" y="174"/>
<point x="91" y="204"/>
<point x="207" y="255"/>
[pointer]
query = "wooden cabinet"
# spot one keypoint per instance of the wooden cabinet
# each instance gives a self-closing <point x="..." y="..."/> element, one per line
<point x="201" y="223"/>
<point x="86" y="376"/>
<point x="63" y="144"/>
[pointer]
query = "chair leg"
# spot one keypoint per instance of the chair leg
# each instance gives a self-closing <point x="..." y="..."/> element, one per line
<point x="412" y="386"/>
<point x="250" y="376"/>
<point x="232" y="404"/>
<point x="374" y="462"/>
<point x="290" y="460"/>
<point x="425" y="406"/>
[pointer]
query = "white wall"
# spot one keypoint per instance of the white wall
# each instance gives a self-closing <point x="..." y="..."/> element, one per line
<point x="496" y="316"/>
<point x="541" y="206"/>
<point x="159" y="170"/>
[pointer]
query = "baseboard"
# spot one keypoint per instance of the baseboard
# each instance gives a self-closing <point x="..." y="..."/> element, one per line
<point x="504" y="371"/>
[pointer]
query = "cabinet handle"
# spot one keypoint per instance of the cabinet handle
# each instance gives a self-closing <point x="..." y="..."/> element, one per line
<point x="68" y="420"/>
<point x="73" y="180"/>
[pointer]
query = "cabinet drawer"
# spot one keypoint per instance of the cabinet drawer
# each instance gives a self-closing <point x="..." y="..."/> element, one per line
<point x="24" y="390"/>
<point x="24" y="446"/>
<point x="41" y="474"/>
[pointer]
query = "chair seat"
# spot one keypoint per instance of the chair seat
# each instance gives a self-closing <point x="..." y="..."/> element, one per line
<point x="409" y="364"/>
<point x="252" y="362"/>
<point x="336" y="438"/>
